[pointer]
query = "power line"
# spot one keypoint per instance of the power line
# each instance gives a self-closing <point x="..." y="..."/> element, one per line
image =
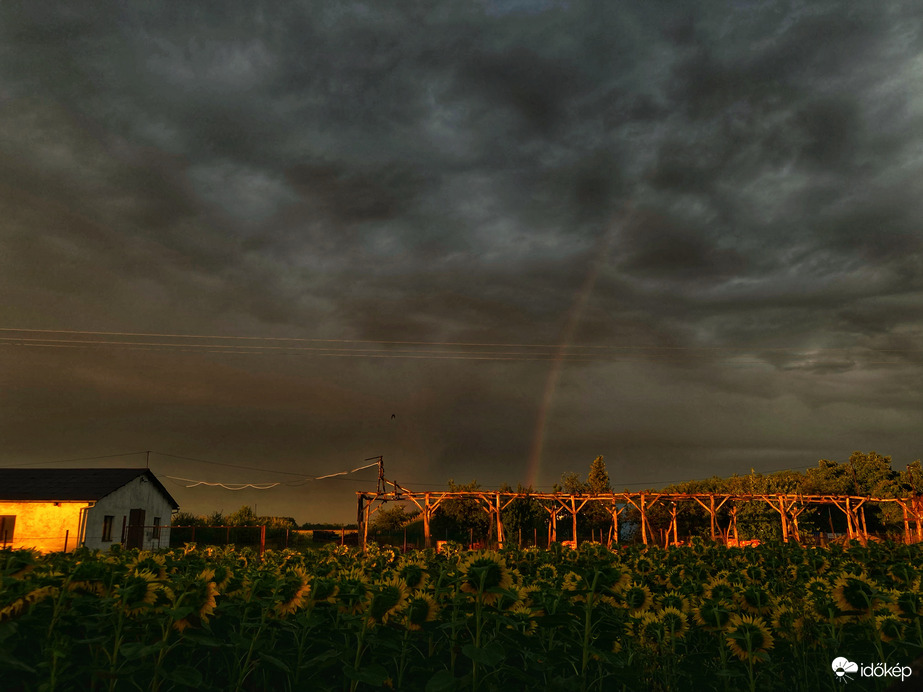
<point x="67" y="461"/>
<point x="422" y="343"/>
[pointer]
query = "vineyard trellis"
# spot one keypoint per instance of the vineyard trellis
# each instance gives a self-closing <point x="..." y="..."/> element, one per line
<point x="788" y="506"/>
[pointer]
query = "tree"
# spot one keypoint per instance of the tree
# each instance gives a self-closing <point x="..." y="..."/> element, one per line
<point x="392" y="519"/>
<point x="598" y="478"/>
<point x="461" y="518"/>
<point x="245" y="516"/>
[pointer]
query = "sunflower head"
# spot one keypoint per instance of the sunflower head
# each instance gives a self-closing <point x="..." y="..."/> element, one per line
<point x="16" y="563"/>
<point x="754" y="599"/>
<point x="637" y="598"/>
<point x="196" y="595"/>
<point x="674" y="622"/>
<point x="546" y="573"/>
<point x="414" y="574"/>
<point x="856" y="595"/>
<point x="674" y="599"/>
<point x="419" y="609"/>
<point x="150" y="562"/>
<point x="385" y="600"/>
<point x="748" y="638"/>
<point x="907" y="604"/>
<point x="889" y="627"/>
<point x="713" y="615"/>
<point x="293" y="591"/>
<point x="719" y="589"/>
<point x="484" y="574"/>
<point x="137" y="592"/>
<point x="353" y="590"/>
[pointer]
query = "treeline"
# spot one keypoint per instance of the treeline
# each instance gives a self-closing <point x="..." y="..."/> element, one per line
<point x="246" y="516"/>
<point x="865" y="474"/>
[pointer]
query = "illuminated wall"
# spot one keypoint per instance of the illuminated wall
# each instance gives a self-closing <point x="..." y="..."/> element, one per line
<point x="43" y="525"/>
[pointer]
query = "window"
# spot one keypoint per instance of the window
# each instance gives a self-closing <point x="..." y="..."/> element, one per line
<point x="155" y="534"/>
<point x="7" y="522"/>
<point x="107" y="527"/>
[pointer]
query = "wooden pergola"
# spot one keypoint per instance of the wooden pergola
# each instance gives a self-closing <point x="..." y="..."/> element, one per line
<point x="788" y="506"/>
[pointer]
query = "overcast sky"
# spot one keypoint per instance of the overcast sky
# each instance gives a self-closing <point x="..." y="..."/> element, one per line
<point x="686" y="236"/>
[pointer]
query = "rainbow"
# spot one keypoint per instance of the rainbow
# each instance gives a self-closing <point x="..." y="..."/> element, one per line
<point x="600" y="254"/>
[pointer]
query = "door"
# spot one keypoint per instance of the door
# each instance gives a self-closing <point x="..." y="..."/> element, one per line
<point x="135" y="538"/>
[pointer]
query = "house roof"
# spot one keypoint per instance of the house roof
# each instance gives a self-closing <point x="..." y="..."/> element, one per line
<point x="61" y="485"/>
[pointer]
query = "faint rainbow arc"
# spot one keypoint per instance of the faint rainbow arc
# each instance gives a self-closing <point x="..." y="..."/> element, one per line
<point x="574" y="316"/>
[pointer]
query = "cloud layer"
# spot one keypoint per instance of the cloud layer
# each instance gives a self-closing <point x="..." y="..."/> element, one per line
<point x="712" y="211"/>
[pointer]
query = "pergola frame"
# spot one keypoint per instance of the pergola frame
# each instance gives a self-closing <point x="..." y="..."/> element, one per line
<point x="789" y="507"/>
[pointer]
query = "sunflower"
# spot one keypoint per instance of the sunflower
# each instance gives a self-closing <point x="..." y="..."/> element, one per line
<point x="17" y="563"/>
<point x="889" y="627"/>
<point x="786" y="619"/>
<point x="674" y="599"/>
<point x="719" y="589"/>
<point x="754" y="599"/>
<point x="572" y="582"/>
<point x="651" y="629"/>
<point x="856" y="594"/>
<point x="414" y="574"/>
<point x="293" y="592"/>
<point x="420" y="608"/>
<point x="149" y="562"/>
<point x="674" y="622"/>
<point x="713" y="615"/>
<point x="386" y="599"/>
<point x="482" y="573"/>
<point x="324" y="590"/>
<point x="522" y="618"/>
<point x="352" y="591"/>
<point x="137" y="592"/>
<point x="614" y="578"/>
<point x="748" y="637"/>
<point x="199" y="595"/>
<point x="755" y="573"/>
<point x="637" y="598"/>
<point x="546" y="573"/>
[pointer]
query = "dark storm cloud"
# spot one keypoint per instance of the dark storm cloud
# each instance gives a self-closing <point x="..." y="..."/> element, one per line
<point x="721" y="199"/>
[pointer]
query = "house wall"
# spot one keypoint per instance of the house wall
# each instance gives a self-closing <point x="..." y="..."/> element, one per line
<point x="44" y="525"/>
<point x="139" y="493"/>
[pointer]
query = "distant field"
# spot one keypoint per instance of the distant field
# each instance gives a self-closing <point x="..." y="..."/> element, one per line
<point x="703" y="617"/>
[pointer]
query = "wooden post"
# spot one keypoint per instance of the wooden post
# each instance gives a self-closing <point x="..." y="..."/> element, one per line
<point x="573" y="510"/>
<point x="615" y="523"/>
<point x="262" y="540"/>
<point x="643" y="520"/>
<point x="360" y="521"/>
<point x="711" y="512"/>
<point x="365" y="524"/>
<point x="427" y="539"/>
<point x="849" y="530"/>
<point x="286" y="537"/>
<point x="865" y="531"/>
<point x="675" y="526"/>
<point x="67" y="534"/>
<point x="500" y="535"/>
<point x="906" y="524"/>
<point x="782" y="514"/>
<point x="734" y="523"/>
<point x="553" y="527"/>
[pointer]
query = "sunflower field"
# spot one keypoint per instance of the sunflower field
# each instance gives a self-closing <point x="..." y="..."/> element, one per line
<point x="702" y="617"/>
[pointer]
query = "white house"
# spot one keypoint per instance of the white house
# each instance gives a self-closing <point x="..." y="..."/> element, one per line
<point x="59" y="509"/>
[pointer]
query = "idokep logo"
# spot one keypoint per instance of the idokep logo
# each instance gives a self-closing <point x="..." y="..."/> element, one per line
<point x="843" y="666"/>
